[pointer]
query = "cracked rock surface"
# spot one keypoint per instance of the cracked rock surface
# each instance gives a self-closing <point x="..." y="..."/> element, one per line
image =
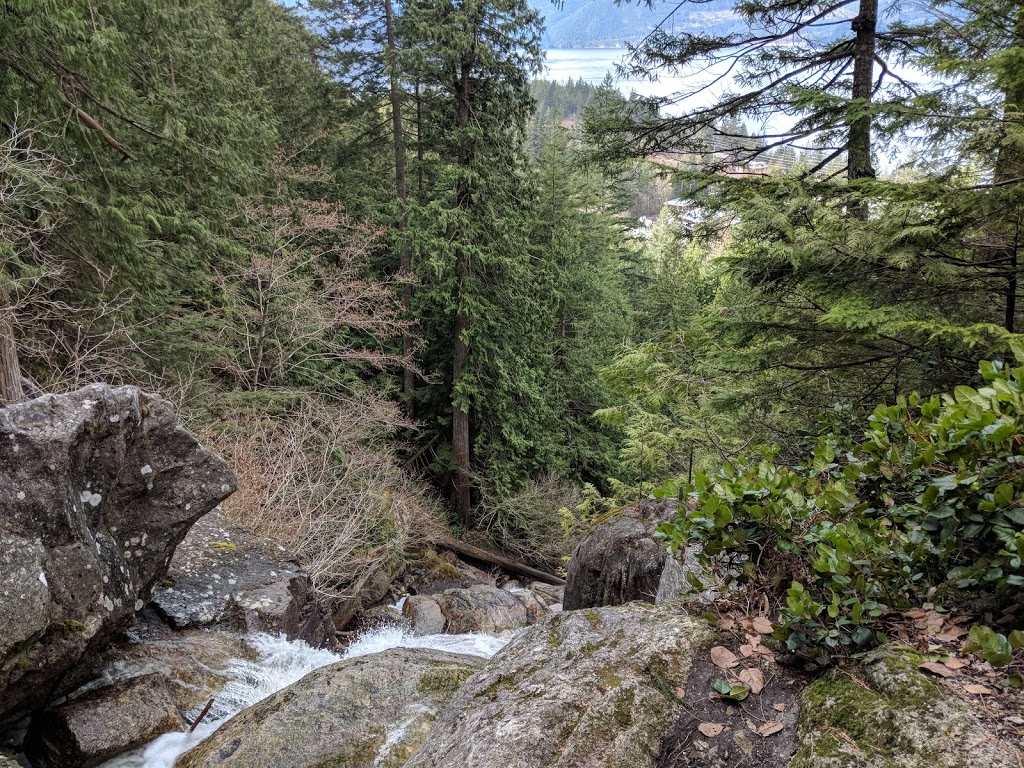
<point x="223" y="575"/>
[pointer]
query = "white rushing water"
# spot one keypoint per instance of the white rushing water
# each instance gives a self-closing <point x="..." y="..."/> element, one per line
<point x="282" y="662"/>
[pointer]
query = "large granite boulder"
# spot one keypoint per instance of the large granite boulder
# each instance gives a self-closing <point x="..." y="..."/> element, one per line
<point x="590" y="688"/>
<point x="103" y="723"/>
<point x="480" y="608"/>
<point x="97" y="488"/>
<point x="223" y="575"/>
<point x="488" y="609"/>
<point x="368" y="712"/>
<point x="619" y="560"/>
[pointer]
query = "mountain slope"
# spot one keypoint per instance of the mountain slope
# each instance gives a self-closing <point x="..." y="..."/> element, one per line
<point x="604" y="24"/>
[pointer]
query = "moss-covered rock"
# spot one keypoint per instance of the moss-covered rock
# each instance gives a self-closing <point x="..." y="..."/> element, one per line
<point x="585" y="688"/>
<point x="373" y="710"/>
<point x="884" y="713"/>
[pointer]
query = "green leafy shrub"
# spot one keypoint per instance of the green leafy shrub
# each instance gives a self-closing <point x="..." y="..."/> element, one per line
<point x="928" y="497"/>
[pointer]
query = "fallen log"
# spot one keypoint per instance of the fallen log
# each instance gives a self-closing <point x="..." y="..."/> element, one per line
<point x="510" y="565"/>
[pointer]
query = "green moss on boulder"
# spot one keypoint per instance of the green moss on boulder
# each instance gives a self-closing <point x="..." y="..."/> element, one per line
<point x="884" y="713"/>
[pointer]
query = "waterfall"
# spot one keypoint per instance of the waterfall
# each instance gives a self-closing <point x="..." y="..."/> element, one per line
<point x="280" y="663"/>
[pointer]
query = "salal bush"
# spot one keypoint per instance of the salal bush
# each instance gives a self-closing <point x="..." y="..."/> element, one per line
<point x="927" y="498"/>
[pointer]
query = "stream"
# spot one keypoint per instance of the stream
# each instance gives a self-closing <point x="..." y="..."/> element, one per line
<point x="282" y="662"/>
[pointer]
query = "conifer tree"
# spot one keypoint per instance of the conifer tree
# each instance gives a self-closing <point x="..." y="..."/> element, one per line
<point x="476" y="57"/>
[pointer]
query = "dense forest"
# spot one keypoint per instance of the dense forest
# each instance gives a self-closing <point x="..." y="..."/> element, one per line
<point x="402" y="284"/>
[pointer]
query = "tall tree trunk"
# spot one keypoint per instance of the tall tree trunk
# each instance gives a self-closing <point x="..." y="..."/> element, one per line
<point x="419" y="142"/>
<point x="405" y="253"/>
<point x="10" y="372"/>
<point x="865" y="25"/>
<point x="1010" y="168"/>
<point x="461" y="442"/>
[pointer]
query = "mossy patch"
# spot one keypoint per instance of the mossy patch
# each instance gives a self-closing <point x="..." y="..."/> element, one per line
<point x="444" y="679"/>
<point x="609" y="678"/>
<point x="883" y="713"/>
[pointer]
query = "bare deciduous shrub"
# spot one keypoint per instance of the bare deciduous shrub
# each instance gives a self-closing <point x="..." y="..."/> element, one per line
<point x="303" y="301"/>
<point x="323" y="481"/>
<point x="539" y="524"/>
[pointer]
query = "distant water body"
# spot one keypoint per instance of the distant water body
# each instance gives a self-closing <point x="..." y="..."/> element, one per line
<point x="593" y="64"/>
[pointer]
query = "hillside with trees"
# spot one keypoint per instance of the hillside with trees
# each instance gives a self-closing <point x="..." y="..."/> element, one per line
<point x="410" y="291"/>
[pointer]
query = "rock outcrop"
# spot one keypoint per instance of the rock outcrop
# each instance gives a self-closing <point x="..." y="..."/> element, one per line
<point x="223" y="575"/>
<point x="590" y="688"/>
<point x="619" y="560"/>
<point x="368" y="712"/>
<point x="97" y="488"/>
<point x="887" y="714"/>
<point x="103" y="723"/>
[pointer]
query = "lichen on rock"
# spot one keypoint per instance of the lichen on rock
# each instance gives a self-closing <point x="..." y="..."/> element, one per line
<point x="85" y="533"/>
<point x="585" y="688"/>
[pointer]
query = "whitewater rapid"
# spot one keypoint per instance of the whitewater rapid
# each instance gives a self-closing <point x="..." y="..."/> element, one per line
<point x="280" y="663"/>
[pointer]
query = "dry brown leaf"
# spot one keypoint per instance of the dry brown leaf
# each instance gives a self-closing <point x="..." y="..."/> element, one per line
<point x="723" y="658"/>
<point x="935" y="668"/>
<point x="680" y="693"/>
<point x="772" y="726"/>
<point x="950" y="633"/>
<point x="754" y="640"/>
<point x="711" y="729"/>
<point x="779" y="707"/>
<point x="931" y="623"/>
<point x="954" y="663"/>
<point x="915" y="613"/>
<point x="746" y="651"/>
<point x="726" y="623"/>
<point x="762" y="625"/>
<point x="980" y="690"/>
<point x="747" y="624"/>
<point x="754" y="679"/>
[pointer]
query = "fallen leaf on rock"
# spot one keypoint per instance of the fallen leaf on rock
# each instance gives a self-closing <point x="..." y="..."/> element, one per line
<point x="711" y="729"/>
<point x="754" y="678"/>
<point x="762" y="625"/>
<point x="936" y="669"/>
<point x="779" y="707"/>
<point x="772" y="726"/>
<point x="723" y="658"/>
<point x="980" y="690"/>
<point x="680" y="693"/>
<point x="954" y="663"/>
<point x="746" y="651"/>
